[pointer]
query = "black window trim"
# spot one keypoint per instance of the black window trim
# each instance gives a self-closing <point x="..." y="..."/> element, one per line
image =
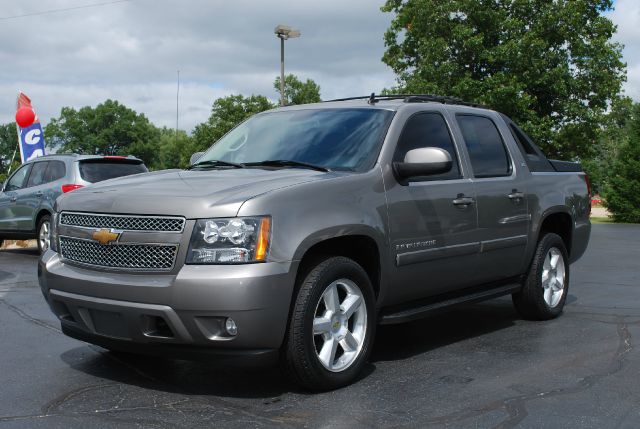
<point x="512" y="167"/>
<point x="461" y="175"/>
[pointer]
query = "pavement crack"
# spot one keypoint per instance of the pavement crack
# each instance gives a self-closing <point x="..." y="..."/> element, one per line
<point x="515" y="406"/>
<point x="55" y="404"/>
<point x="28" y="318"/>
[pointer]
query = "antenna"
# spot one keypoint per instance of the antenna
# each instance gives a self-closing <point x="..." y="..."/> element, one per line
<point x="177" y="105"/>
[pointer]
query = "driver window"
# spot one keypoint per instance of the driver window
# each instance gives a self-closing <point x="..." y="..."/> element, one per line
<point x="427" y="130"/>
<point x="17" y="180"/>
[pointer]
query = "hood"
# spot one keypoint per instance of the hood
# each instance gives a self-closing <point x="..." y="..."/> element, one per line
<point x="193" y="194"/>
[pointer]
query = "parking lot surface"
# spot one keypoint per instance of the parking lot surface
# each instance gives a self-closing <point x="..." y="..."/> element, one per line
<point x="475" y="366"/>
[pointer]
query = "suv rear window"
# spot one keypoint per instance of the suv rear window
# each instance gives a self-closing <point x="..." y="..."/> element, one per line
<point x="97" y="170"/>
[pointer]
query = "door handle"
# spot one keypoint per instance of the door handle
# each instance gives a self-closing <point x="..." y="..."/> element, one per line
<point x="13" y="199"/>
<point x="463" y="201"/>
<point x="516" y="195"/>
<point x="39" y="194"/>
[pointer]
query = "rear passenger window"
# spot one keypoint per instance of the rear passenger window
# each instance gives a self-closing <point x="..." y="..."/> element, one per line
<point x="486" y="149"/>
<point x="427" y="130"/>
<point x="56" y="171"/>
<point x="37" y="176"/>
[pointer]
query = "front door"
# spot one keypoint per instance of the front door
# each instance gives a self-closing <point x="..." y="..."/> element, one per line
<point x="503" y="219"/>
<point x="432" y="220"/>
<point x="12" y="217"/>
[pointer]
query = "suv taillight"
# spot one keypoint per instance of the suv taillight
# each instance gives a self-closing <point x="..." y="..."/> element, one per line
<point x="69" y="188"/>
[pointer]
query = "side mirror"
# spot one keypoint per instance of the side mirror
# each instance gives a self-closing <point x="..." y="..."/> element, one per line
<point x="195" y="157"/>
<point x="424" y="161"/>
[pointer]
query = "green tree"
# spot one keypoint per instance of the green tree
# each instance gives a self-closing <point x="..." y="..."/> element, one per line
<point x="298" y="92"/>
<point x="621" y="195"/>
<point x="175" y="149"/>
<point x="615" y="133"/>
<point x="226" y="113"/>
<point x="8" y="147"/>
<point x="110" y="128"/>
<point x="550" y="65"/>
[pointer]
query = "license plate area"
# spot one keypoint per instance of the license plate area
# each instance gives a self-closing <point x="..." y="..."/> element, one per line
<point x="109" y="323"/>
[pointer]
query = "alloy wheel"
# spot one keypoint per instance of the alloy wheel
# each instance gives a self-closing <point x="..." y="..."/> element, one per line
<point x="340" y="325"/>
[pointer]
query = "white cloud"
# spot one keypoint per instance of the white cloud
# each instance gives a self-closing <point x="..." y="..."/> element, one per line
<point x="627" y="17"/>
<point x="131" y="51"/>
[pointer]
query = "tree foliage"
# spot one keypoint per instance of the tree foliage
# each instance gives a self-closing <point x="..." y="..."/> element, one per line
<point x="8" y="146"/>
<point x="298" y="92"/>
<point x="110" y="128"/>
<point x="226" y="113"/>
<point x="550" y="65"/>
<point x="615" y="133"/>
<point x="620" y="192"/>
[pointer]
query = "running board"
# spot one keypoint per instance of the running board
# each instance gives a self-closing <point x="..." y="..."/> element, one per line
<point x="409" y="314"/>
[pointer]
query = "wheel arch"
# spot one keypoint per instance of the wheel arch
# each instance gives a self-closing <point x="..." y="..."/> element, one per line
<point x="359" y="246"/>
<point x="559" y="222"/>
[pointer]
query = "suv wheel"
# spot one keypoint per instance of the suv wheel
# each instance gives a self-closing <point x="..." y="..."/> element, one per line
<point x="544" y="291"/>
<point x="332" y="325"/>
<point x="44" y="233"/>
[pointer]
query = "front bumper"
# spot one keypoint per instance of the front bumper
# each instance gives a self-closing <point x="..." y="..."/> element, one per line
<point x="179" y="315"/>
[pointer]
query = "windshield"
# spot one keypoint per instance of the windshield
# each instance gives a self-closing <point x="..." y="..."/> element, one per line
<point x="338" y="139"/>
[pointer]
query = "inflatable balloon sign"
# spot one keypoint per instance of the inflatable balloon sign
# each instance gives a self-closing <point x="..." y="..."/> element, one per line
<point x="30" y="135"/>
<point x="25" y="117"/>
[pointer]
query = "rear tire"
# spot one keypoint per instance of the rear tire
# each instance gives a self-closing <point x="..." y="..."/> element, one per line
<point x="545" y="288"/>
<point x="332" y="326"/>
<point x="44" y="233"/>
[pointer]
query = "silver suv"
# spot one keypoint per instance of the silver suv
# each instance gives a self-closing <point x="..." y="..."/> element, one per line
<point x="28" y="196"/>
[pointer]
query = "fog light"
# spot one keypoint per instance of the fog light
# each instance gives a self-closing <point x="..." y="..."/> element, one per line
<point x="230" y="326"/>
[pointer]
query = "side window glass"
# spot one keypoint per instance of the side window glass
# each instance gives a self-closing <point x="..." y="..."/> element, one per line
<point x="17" y="180"/>
<point x="488" y="155"/>
<point x="56" y="171"/>
<point x="427" y="130"/>
<point x="37" y="176"/>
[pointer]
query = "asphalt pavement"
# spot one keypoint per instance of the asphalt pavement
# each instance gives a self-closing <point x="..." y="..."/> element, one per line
<point x="476" y="366"/>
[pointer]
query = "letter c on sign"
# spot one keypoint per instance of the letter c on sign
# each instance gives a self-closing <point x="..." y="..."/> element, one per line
<point x="33" y="137"/>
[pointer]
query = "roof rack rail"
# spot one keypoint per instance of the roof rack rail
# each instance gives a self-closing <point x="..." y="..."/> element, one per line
<point x="410" y="98"/>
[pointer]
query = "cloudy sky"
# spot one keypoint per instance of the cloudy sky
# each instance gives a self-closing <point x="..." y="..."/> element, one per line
<point x="130" y="50"/>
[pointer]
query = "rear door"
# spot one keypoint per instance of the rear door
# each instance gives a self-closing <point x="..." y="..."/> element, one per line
<point x="500" y="188"/>
<point x="30" y="198"/>
<point x="432" y="232"/>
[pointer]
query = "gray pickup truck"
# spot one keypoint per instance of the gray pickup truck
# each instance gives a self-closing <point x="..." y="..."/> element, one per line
<point x="304" y="227"/>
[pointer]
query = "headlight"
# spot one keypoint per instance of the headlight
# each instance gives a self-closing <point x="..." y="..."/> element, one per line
<point x="230" y="241"/>
<point x="53" y="232"/>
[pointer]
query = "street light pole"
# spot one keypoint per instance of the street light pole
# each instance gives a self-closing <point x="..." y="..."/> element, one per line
<point x="282" y="101"/>
<point x="284" y="32"/>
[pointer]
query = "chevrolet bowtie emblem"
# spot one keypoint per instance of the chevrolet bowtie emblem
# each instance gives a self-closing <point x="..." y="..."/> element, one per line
<point x="105" y="236"/>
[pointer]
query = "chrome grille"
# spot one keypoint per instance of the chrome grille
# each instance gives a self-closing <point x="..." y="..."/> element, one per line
<point x="125" y="256"/>
<point x="123" y="222"/>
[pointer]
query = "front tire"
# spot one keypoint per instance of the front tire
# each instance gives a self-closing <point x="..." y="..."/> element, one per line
<point x="545" y="288"/>
<point x="332" y="326"/>
<point x="44" y="233"/>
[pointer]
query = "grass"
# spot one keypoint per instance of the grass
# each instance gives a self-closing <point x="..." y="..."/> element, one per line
<point x="601" y="219"/>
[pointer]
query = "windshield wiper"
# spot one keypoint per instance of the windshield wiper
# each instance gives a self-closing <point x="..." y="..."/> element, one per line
<point x="287" y="163"/>
<point x="215" y="163"/>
